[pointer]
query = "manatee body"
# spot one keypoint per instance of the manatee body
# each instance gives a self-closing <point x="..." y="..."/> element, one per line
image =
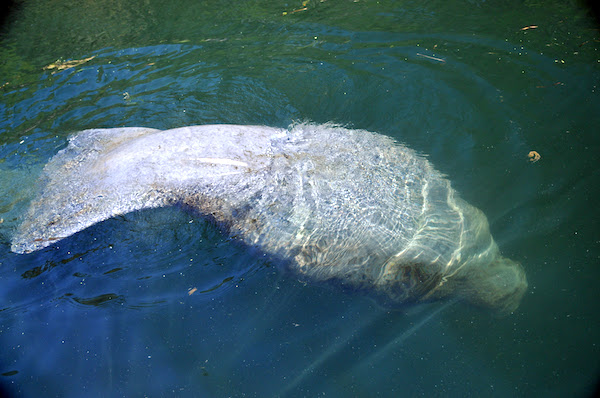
<point x="338" y="206"/>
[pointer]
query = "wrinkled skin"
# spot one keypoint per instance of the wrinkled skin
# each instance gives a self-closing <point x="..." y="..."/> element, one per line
<point x="337" y="206"/>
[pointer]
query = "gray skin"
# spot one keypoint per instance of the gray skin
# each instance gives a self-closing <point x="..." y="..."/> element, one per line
<point x="336" y="206"/>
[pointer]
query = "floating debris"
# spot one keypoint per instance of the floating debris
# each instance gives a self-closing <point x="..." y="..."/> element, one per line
<point x="304" y="8"/>
<point x="61" y="65"/>
<point x="433" y="58"/>
<point x="534" y="156"/>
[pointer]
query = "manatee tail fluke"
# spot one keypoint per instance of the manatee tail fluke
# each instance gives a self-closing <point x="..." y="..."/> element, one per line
<point x="73" y="195"/>
<point x="108" y="172"/>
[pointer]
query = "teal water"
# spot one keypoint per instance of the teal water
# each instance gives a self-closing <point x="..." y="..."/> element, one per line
<point x="108" y="312"/>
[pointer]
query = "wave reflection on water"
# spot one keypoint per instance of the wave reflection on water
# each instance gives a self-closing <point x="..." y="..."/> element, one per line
<point x="110" y="309"/>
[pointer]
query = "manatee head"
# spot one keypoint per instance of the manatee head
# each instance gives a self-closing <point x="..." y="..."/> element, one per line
<point x="499" y="285"/>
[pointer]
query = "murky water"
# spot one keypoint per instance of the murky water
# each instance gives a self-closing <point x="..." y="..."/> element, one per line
<point x="474" y="85"/>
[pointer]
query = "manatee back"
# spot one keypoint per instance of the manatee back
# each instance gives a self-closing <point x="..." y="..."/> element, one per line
<point x="358" y="210"/>
<point x="337" y="203"/>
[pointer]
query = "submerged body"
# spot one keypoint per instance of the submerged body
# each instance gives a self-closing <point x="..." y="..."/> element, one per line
<point x="339" y="206"/>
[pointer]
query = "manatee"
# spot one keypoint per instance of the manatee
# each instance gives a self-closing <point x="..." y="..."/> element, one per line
<point x="330" y="205"/>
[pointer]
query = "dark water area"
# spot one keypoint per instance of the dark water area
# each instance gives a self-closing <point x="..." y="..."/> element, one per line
<point x="160" y="303"/>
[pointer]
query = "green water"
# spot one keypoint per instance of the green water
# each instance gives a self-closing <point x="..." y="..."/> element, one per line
<point x="108" y="311"/>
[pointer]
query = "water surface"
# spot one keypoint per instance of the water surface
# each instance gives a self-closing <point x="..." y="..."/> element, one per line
<point x="473" y="85"/>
